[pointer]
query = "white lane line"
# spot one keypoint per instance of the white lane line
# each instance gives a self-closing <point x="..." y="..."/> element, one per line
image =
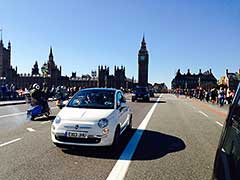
<point x="14" y="114"/>
<point x="120" y="169"/>
<point x="31" y="129"/>
<point x="20" y="113"/>
<point x="203" y="113"/>
<point x="45" y="122"/>
<point x="220" y="124"/>
<point x="10" y="142"/>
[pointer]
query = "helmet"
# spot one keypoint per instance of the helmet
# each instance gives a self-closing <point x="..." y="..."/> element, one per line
<point x="36" y="86"/>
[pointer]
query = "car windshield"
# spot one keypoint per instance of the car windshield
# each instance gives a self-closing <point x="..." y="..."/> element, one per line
<point x="96" y="99"/>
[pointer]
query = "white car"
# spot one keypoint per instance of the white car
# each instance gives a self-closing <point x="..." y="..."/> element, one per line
<point x="93" y="117"/>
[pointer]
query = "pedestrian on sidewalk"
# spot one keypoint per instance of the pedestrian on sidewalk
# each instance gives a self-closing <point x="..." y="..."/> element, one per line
<point x="213" y="95"/>
<point x="221" y="97"/>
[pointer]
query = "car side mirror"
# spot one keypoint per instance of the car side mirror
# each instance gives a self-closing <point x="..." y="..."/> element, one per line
<point x="123" y="100"/>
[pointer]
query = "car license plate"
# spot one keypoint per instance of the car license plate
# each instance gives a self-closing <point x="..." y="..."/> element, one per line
<point x="75" y="134"/>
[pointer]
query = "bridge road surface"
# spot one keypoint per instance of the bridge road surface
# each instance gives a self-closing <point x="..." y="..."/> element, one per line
<point x="179" y="142"/>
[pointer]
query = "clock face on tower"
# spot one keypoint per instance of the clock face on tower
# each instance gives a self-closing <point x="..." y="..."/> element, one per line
<point x="142" y="58"/>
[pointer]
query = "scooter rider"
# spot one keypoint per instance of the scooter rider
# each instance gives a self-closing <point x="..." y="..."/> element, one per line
<point x="38" y="97"/>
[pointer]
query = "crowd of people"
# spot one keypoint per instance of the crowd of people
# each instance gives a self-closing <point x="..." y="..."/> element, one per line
<point x="219" y="96"/>
<point x="9" y="92"/>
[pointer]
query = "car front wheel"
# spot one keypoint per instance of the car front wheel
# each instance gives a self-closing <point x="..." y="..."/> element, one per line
<point x="116" y="138"/>
<point x="130" y="124"/>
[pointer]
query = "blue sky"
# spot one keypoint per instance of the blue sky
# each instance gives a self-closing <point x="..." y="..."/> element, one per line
<point x="84" y="34"/>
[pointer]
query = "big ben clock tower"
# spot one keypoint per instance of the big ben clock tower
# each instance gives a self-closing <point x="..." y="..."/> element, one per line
<point x="143" y="64"/>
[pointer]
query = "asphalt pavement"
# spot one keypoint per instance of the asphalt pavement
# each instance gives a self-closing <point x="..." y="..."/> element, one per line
<point x="178" y="142"/>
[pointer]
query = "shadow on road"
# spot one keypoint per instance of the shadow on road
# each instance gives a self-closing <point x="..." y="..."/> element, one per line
<point x="153" y="145"/>
<point x="151" y="101"/>
<point x="154" y="101"/>
<point x="43" y="118"/>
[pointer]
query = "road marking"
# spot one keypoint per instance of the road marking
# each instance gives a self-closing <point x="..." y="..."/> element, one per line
<point x="220" y="124"/>
<point x="120" y="169"/>
<point x="20" y="113"/>
<point x="45" y="122"/>
<point x="203" y="113"/>
<point x="205" y="106"/>
<point x="31" y="129"/>
<point x="14" y="114"/>
<point x="10" y="142"/>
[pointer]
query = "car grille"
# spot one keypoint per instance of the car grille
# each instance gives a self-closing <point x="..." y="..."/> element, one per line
<point x="79" y="140"/>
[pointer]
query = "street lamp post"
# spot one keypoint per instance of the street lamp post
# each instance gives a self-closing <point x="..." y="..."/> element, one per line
<point x="44" y="70"/>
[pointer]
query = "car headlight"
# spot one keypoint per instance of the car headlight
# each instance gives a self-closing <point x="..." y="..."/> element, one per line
<point x="57" y="120"/>
<point x="102" y="123"/>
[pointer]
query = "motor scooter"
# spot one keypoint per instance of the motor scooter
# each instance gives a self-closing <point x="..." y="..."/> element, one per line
<point x="35" y="110"/>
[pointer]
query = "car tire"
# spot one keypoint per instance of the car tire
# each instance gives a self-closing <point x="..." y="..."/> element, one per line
<point x="116" y="138"/>
<point x="129" y="128"/>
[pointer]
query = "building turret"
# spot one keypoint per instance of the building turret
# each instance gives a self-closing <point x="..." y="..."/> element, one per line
<point x="103" y="76"/>
<point x="35" y="69"/>
<point x="50" y="59"/>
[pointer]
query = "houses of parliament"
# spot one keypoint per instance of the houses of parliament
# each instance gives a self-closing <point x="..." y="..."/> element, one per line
<point x="54" y="77"/>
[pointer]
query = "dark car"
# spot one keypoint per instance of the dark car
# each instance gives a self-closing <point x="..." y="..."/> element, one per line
<point x="151" y="92"/>
<point x="227" y="160"/>
<point x="141" y="93"/>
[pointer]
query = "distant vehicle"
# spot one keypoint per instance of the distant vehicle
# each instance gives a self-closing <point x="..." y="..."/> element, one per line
<point x="151" y="92"/>
<point x="141" y="93"/>
<point x="227" y="160"/>
<point x="93" y="117"/>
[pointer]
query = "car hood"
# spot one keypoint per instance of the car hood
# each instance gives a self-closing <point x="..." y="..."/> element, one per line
<point x="83" y="114"/>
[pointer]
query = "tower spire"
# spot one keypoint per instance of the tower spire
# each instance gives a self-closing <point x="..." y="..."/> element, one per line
<point x="1" y="34"/>
<point x="1" y="41"/>
<point x="143" y="44"/>
<point x="51" y="54"/>
<point x="143" y="40"/>
<point x="50" y="59"/>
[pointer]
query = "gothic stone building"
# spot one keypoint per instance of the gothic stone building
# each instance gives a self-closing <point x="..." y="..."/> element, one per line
<point x="230" y="80"/>
<point x="118" y="80"/>
<point x="54" y="74"/>
<point x="205" y="80"/>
